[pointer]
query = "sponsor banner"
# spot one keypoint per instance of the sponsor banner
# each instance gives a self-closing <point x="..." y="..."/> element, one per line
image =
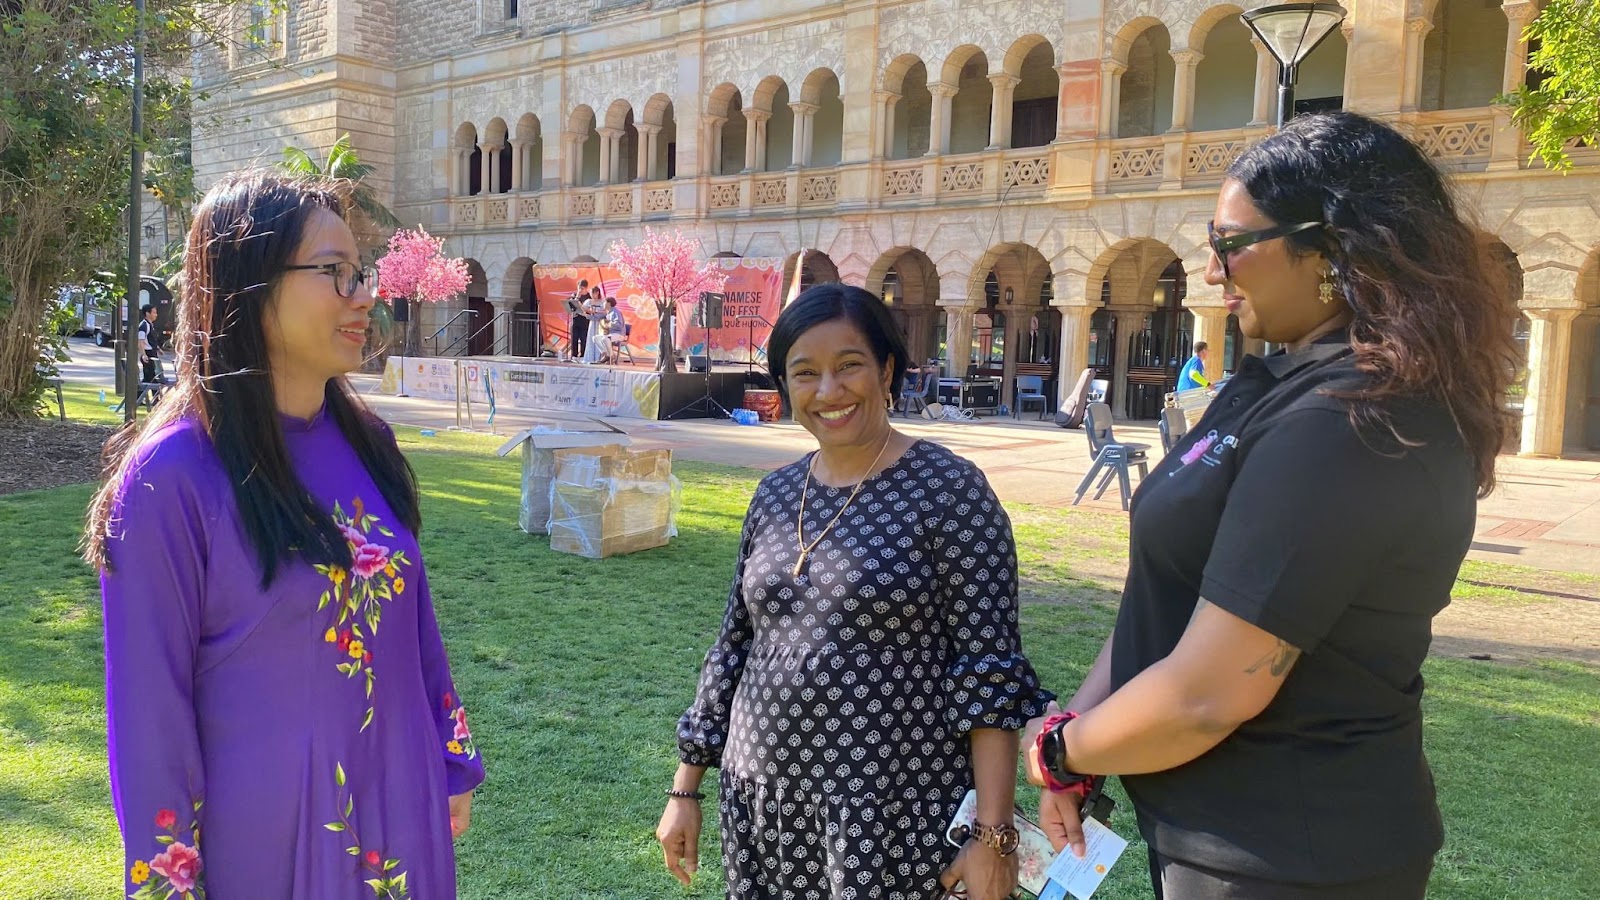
<point x="754" y="292"/>
<point x="585" y="389"/>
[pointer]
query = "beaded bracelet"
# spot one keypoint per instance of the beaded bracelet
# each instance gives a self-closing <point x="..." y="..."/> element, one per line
<point x="685" y="795"/>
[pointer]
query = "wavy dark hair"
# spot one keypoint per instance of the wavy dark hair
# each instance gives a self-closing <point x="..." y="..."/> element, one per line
<point x="1432" y="311"/>
<point x="245" y="232"/>
<point x="824" y="303"/>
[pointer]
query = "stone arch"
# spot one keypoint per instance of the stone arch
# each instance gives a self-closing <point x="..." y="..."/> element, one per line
<point x="584" y="167"/>
<point x="497" y="143"/>
<point x="481" y="329"/>
<point x="906" y="135"/>
<point x="1011" y="278"/>
<point x="1144" y="329"/>
<point x="775" y="136"/>
<point x="1144" y="99"/>
<point x="822" y="88"/>
<point x="658" y="113"/>
<point x="908" y="280"/>
<point x="467" y="156"/>
<point x="530" y="147"/>
<point x="1463" y="56"/>
<point x="1036" y="99"/>
<point x="967" y="69"/>
<point x="819" y="269"/>
<point x="957" y="62"/>
<point x="726" y="154"/>
<point x="1225" y="79"/>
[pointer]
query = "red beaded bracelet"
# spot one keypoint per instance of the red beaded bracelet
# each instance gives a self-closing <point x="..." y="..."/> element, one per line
<point x="1081" y="788"/>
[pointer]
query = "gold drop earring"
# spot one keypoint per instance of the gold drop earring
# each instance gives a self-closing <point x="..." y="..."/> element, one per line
<point x="1325" y="289"/>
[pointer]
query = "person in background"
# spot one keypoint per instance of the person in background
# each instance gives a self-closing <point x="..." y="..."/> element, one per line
<point x="578" y="339"/>
<point x="869" y="669"/>
<point x="1261" y="693"/>
<point x="1193" y="374"/>
<point x="149" y="354"/>
<point x="275" y="676"/>
<point x="612" y="326"/>
<point x="594" y="310"/>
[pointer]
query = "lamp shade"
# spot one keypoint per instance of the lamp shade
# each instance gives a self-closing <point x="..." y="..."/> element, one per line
<point x="1292" y="30"/>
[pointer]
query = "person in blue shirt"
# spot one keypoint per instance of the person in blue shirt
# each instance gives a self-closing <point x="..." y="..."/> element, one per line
<point x="1194" y="371"/>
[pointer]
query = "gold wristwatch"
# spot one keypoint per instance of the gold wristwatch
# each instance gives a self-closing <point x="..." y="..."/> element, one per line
<point x="1002" y="839"/>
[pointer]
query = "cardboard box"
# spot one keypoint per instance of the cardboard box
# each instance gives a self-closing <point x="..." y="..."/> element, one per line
<point x="607" y="501"/>
<point x="539" y="445"/>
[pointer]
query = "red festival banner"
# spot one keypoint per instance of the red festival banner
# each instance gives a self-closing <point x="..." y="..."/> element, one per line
<point x="754" y="293"/>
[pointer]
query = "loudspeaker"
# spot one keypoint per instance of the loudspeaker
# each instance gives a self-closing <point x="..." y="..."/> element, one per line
<point x="708" y="311"/>
<point x="700" y="364"/>
<point x="402" y="309"/>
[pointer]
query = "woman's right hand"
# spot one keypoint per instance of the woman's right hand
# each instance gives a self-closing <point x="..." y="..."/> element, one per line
<point x="679" y="834"/>
<point x="1060" y="818"/>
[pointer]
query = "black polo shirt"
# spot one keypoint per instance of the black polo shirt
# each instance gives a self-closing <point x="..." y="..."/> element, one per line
<point x="1342" y="541"/>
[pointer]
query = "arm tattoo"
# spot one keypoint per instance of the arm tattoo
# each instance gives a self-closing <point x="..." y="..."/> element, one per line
<point x="1278" y="660"/>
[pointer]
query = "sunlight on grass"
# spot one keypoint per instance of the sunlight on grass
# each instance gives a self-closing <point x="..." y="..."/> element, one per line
<point x="576" y="671"/>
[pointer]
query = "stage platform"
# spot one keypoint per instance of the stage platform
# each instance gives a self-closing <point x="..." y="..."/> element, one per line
<point x="632" y="391"/>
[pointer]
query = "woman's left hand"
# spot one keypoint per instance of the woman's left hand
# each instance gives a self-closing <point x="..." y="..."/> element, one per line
<point x="460" y="814"/>
<point x="986" y="874"/>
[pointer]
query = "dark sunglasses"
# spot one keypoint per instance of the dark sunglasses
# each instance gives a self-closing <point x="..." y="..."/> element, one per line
<point x="345" y="277"/>
<point x="1221" y="247"/>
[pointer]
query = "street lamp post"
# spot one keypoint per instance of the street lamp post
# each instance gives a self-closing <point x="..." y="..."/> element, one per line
<point x="1290" y="32"/>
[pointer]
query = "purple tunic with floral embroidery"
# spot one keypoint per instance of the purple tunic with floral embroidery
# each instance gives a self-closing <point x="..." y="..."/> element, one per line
<point x="256" y="736"/>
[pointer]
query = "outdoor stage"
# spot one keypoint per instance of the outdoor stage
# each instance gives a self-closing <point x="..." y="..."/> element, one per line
<point x="519" y="382"/>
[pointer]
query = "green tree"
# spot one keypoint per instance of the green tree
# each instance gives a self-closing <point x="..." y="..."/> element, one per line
<point x="1562" y="104"/>
<point x="66" y="91"/>
<point x="343" y="165"/>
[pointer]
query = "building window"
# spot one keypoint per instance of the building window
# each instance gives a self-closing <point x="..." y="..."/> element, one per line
<point x="511" y="9"/>
<point x="261" y="32"/>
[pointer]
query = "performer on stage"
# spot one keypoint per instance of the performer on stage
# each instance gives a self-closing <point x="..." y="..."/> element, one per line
<point x="579" y="335"/>
<point x="594" y="345"/>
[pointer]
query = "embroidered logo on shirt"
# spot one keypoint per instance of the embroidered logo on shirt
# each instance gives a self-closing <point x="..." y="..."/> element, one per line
<point x="1208" y="450"/>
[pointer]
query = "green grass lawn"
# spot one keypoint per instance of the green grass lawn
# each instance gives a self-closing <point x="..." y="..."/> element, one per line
<point x="577" y="670"/>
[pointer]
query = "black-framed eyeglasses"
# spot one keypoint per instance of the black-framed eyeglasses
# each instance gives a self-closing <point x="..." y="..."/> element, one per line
<point x="345" y="276"/>
<point x="1221" y="247"/>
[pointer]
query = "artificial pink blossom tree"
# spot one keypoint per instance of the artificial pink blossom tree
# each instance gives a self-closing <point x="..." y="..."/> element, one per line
<point x="664" y="268"/>
<point x="416" y="270"/>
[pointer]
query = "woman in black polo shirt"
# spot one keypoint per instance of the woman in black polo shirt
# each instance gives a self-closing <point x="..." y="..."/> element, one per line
<point x="1260" y="694"/>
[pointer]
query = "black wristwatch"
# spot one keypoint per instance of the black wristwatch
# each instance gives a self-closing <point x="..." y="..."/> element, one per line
<point x="1053" y="756"/>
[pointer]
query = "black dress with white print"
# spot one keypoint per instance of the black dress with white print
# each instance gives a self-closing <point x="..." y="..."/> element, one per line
<point x="839" y="703"/>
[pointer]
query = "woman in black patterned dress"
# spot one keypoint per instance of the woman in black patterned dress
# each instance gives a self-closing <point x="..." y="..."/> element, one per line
<point x="869" y="671"/>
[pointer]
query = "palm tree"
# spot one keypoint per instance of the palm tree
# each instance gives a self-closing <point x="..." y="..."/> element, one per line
<point x="344" y="165"/>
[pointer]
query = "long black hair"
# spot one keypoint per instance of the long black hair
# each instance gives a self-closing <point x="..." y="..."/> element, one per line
<point x="824" y="303"/>
<point x="1432" y="312"/>
<point x="245" y="232"/>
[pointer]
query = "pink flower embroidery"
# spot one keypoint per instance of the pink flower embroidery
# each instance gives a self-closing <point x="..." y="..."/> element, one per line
<point x="180" y="865"/>
<point x="165" y="819"/>
<point x="462" y="733"/>
<point x="370" y="559"/>
<point x="357" y="539"/>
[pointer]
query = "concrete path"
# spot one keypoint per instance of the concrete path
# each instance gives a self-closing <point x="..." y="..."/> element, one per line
<point x="1545" y="513"/>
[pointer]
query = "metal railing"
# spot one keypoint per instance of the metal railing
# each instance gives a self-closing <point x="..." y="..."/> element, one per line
<point x="513" y="333"/>
<point x="432" y="340"/>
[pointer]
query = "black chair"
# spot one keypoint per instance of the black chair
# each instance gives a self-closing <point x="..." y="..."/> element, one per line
<point x="1110" y="455"/>
<point x="913" y="392"/>
<point x="1030" y="389"/>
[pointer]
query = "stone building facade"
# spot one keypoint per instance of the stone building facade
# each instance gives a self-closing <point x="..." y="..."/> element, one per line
<point x="1027" y="183"/>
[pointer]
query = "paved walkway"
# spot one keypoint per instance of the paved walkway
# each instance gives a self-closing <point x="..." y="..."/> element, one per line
<point x="1545" y="513"/>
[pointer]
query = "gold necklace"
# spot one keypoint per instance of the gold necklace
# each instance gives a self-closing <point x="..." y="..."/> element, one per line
<point x="799" y="522"/>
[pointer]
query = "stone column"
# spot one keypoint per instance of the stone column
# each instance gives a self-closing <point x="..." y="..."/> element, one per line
<point x="804" y="117"/>
<point x="1266" y="85"/>
<point x="1110" y="96"/>
<point x="1015" y="326"/>
<point x="713" y="152"/>
<point x="575" y="142"/>
<point x="606" y="155"/>
<point x="939" y="123"/>
<point x="1417" y="29"/>
<point x="463" y="173"/>
<point x="486" y="168"/>
<point x="647" y="151"/>
<point x="885" y="101"/>
<point x="1074" y="351"/>
<point x="516" y="166"/>
<point x="1183" y="88"/>
<point x="1005" y="86"/>
<point x="1505" y="149"/>
<point x="753" y="156"/>
<point x="1549" y="360"/>
<point x="1128" y="323"/>
<point x="958" y="337"/>
<point x="1211" y="326"/>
